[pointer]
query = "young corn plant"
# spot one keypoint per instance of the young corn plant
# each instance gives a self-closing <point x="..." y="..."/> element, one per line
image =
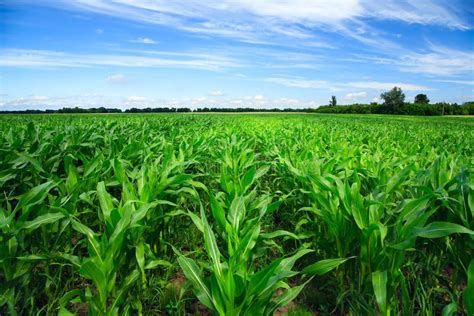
<point x="233" y="284"/>
<point x="119" y="256"/>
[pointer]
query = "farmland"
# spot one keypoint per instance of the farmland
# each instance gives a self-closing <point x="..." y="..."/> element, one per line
<point x="177" y="214"/>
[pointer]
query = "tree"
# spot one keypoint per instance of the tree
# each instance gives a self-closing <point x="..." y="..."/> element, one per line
<point x="333" y="101"/>
<point x="393" y="99"/>
<point x="422" y="99"/>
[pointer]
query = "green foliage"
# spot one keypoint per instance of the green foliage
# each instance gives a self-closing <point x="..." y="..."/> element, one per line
<point x="405" y="109"/>
<point x="393" y="99"/>
<point x="422" y="99"/>
<point x="237" y="214"/>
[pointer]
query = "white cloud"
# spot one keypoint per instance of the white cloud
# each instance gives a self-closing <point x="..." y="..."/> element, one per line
<point x="434" y="61"/>
<point x="462" y="82"/>
<point x="118" y="78"/>
<point x="304" y="83"/>
<point x="39" y="98"/>
<point x="375" y="85"/>
<point x="144" y="40"/>
<point x="136" y="98"/>
<point x="259" y="98"/>
<point x="299" y="82"/>
<point x="439" y="61"/>
<point x="216" y="93"/>
<point x="53" y="59"/>
<point x="435" y="12"/>
<point x="354" y="96"/>
<point x="99" y="31"/>
<point x="262" y="21"/>
<point x="28" y="101"/>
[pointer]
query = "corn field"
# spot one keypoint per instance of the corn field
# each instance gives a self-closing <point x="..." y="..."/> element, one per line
<point x="199" y="214"/>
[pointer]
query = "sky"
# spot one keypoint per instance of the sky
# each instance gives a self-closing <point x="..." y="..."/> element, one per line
<point x="232" y="53"/>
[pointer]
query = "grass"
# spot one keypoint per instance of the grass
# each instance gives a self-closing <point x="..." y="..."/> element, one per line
<point x="236" y="214"/>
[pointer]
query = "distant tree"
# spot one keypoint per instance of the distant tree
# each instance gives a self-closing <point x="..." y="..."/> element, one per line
<point x="393" y="99"/>
<point x="183" y="110"/>
<point x="333" y="101"/>
<point x="422" y="99"/>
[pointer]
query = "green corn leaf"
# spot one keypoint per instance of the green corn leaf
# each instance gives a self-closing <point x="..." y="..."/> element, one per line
<point x="193" y="274"/>
<point x="91" y="166"/>
<point x="379" y="282"/>
<point x="248" y="178"/>
<point x="279" y="233"/>
<point x="258" y="281"/>
<point x="248" y="242"/>
<point x="414" y="207"/>
<point x="288" y="263"/>
<point x="35" y="195"/>
<point x="140" y="256"/>
<point x="359" y="213"/>
<point x="211" y="245"/>
<point x="236" y="212"/>
<point x="83" y="229"/>
<point x="12" y="246"/>
<point x="42" y="220"/>
<point x="450" y="309"/>
<point x="155" y="263"/>
<point x="64" y="312"/>
<point x="324" y="266"/>
<point x="33" y="258"/>
<point x="468" y="295"/>
<point x="442" y="229"/>
<point x="70" y="295"/>
<point x="288" y="296"/>
<point x="90" y="270"/>
<point x="24" y="157"/>
<point x="93" y="243"/>
<point x="470" y="201"/>
<point x="105" y="200"/>
<point x="196" y="220"/>
<point x="129" y="281"/>
<point x="72" y="174"/>
<point x="218" y="212"/>
<point x="395" y="181"/>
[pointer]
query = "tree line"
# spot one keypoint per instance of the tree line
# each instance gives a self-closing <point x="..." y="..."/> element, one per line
<point x="78" y="110"/>
<point x="393" y="103"/>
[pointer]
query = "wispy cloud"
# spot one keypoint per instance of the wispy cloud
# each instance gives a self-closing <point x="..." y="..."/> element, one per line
<point x="96" y="100"/>
<point x="439" y="61"/>
<point x="435" y="60"/>
<point x="304" y="83"/>
<point x="350" y="97"/>
<point x="28" y="100"/>
<point x="376" y="85"/>
<point x="136" y="98"/>
<point x="144" y="40"/>
<point x="216" y="93"/>
<point x="118" y="78"/>
<point x="435" y="12"/>
<point x="256" y="21"/>
<point x="53" y="59"/>
<point x="299" y="83"/>
<point x="461" y="82"/>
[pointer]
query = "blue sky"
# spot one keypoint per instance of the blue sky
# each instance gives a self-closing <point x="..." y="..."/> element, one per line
<point x="232" y="53"/>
